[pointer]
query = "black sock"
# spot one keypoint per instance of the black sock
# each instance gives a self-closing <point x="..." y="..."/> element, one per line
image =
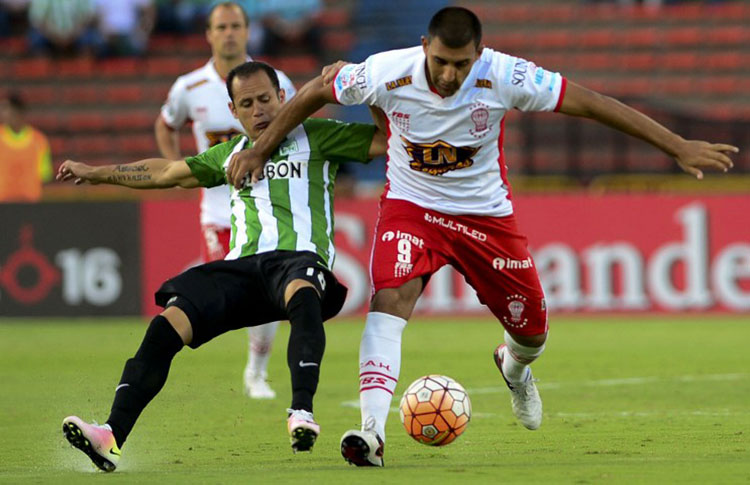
<point x="307" y="342"/>
<point x="143" y="377"/>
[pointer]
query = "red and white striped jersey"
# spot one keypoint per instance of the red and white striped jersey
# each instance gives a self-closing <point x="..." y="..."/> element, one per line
<point x="446" y="154"/>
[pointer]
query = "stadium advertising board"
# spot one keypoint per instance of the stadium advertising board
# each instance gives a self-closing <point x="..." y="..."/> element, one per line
<point x="70" y="259"/>
<point x="610" y="253"/>
<point x="613" y="253"/>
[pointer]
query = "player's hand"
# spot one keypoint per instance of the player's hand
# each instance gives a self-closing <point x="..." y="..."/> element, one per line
<point x="80" y="172"/>
<point x="245" y="167"/>
<point x="695" y="156"/>
<point x="329" y="72"/>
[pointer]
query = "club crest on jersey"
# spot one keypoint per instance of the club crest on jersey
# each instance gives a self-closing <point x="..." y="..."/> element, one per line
<point x="480" y="116"/>
<point x="438" y="157"/>
<point x="516" y="307"/>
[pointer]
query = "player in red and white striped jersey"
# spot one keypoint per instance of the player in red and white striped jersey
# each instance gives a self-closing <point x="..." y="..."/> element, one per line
<point x="447" y="199"/>
<point x="201" y="96"/>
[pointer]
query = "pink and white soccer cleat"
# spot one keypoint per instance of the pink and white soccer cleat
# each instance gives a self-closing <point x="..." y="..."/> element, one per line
<point x="97" y="441"/>
<point x="303" y="430"/>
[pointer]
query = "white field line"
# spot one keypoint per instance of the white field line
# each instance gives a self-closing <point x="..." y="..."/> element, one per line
<point x="628" y="381"/>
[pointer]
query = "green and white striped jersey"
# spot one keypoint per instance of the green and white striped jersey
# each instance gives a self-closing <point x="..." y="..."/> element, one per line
<point x="291" y="206"/>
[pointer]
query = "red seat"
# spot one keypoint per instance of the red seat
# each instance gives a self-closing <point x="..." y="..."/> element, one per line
<point x="641" y="37"/>
<point x="32" y="68"/>
<point x="684" y="36"/>
<point x="87" y="121"/>
<point x="681" y="61"/>
<point x="124" y="93"/>
<point x="82" y="67"/>
<point x="599" y="38"/>
<point x="120" y="68"/>
<point x="81" y="94"/>
<point x="139" y="120"/>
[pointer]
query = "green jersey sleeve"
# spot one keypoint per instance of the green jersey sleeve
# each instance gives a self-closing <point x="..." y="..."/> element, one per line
<point x="208" y="167"/>
<point x="340" y="141"/>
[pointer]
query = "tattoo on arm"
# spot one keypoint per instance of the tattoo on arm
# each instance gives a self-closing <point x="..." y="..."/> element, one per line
<point x="131" y="168"/>
<point x="119" y="179"/>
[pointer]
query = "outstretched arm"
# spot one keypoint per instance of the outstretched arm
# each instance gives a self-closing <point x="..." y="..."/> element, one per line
<point x="691" y="155"/>
<point x="309" y="99"/>
<point x="152" y="173"/>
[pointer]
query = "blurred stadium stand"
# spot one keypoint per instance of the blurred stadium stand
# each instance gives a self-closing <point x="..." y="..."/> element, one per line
<point x="687" y="65"/>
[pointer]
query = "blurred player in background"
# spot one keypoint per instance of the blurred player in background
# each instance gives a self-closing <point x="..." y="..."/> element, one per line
<point x="279" y="265"/>
<point x="447" y="198"/>
<point x="201" y="96"/>
<point x="25" y="162"/>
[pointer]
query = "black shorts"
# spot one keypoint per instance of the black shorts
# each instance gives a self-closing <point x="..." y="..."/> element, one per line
<point x="245" y="292"/>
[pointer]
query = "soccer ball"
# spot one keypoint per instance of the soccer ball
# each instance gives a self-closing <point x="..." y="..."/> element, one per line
<point x="435" y="410"/>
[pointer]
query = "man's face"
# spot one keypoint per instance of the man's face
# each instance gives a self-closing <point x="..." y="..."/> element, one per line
<point x="448" y="67"/>
<point x="256" y="103"/>
<point x="10" y="115"/>
<point x="228" y="32"/>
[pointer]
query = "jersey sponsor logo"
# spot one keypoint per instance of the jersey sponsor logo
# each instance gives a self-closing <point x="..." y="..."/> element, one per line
<point x="483" y="83"/>
<point x="516" y="306"/>
<point x="351" y="75"/>
<point x="401" y="120"/>
<point x="455" y="226"/>
<point x="438" y="157"/>
<point x="520" y="69"/>
<point x="506" y="263"/>
<point x="196" y="84"/>
<point x="216" y="137"/>
<point x="283" y="169"/>
<point x="288" y="147"/>
<point x="480" y="115"/>
<point x="398" y="235"/>
<point x="398" y="83"/>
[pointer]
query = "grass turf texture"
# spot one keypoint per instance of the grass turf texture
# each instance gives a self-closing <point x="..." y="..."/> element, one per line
<point x="626" y="399"/>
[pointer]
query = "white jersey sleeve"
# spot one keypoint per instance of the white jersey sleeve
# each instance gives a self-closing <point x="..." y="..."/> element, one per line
<point x="528" y="87"/>
<point x="175" y="110"/>
<point x="355" y="84"/>
<point x="286" y="84"/>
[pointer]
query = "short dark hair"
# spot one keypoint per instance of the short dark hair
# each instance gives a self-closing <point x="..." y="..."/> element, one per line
<point x="226" y="4"/>
<point x="248" y="69"/>
<point x="16" y="101"/>
<point x="456" y="27"/>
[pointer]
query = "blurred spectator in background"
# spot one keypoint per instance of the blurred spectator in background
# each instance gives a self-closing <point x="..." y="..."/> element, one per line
<point x="181" y="16"/>
<point x="25" y="161"/>
<point x="291" y="25"/>
<point x="13" y="17"/>
<point x="124" y="25"/>
<point x="61" y="27"/>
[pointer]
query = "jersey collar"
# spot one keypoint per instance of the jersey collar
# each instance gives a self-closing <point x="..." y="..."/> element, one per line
<point x="214" y="74"/>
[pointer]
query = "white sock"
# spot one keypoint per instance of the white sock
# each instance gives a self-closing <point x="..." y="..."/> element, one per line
<point x="379" y="366"/>
<point x="516" y="360"/>
<point x="259" y="343"/>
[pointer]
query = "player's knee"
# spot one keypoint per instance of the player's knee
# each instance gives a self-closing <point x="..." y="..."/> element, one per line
<point x="177" y="316"/>
<point x="530" y="340"/>
<point x="398" y="301"/>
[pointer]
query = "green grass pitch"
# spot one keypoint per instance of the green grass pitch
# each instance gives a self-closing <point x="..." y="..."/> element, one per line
<point x="626" y="400"/>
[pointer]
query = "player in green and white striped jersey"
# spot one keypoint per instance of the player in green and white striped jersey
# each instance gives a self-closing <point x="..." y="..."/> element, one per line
<point x="279" y="265"/>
